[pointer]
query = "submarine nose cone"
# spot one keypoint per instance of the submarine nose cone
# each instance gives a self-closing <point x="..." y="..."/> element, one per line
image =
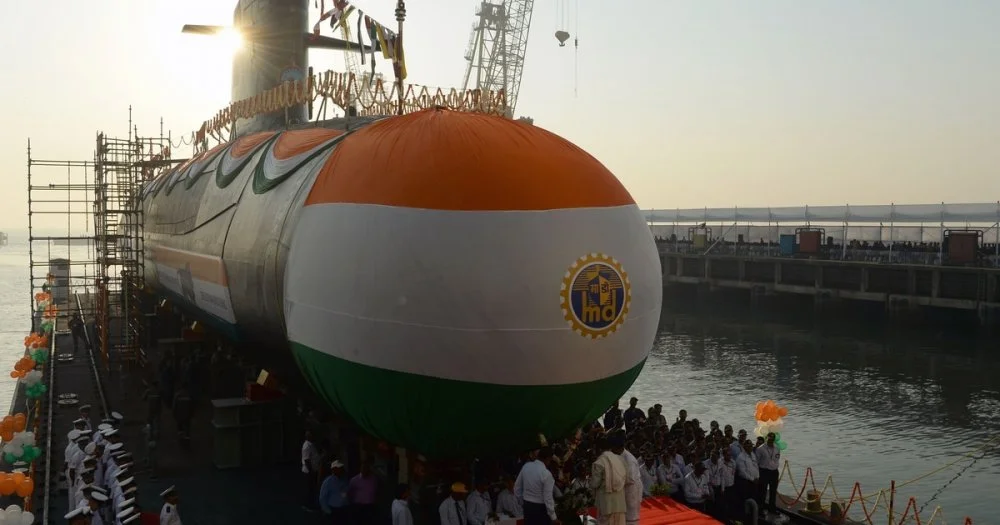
<point x="459" y="283"/>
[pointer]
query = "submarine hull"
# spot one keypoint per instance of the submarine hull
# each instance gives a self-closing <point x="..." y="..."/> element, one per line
<point x="455" y="283"/>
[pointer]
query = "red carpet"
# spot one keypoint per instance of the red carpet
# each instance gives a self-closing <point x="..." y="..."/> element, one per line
<point x="665" y="511"/>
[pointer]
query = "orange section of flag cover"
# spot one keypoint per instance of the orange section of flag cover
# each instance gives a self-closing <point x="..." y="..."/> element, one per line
<point x="246" y="144"/>
<point x="297" y="142"/>
<point x="449" y="160"/>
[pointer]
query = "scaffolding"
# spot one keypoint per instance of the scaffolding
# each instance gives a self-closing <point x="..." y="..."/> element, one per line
<point x="121" y="167"/>
<point x="59" y="238"/>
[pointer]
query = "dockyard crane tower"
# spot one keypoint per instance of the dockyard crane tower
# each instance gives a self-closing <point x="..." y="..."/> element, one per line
<point x="497" y="47"/>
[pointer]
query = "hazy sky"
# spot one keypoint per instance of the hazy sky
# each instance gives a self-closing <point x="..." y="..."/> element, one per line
<point x="691" y="103"/>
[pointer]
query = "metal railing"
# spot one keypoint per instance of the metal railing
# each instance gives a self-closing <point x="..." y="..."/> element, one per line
<point x="869" y="255"/>
<point x="46" y="494"/>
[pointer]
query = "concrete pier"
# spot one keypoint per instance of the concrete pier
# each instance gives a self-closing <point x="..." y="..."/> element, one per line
<point x="903" y="289"/>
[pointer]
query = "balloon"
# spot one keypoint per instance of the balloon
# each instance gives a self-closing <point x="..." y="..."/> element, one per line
<point x="782" y="445"/>
<point x="777" y="437"/>
<point x="18" y="477"/>
<point x="13" y="374"/>
<point x="782" y="412"/>
<point x="25" y="487"/>
<point x="27" y="518"/>
<point x="777" y="424"/>
<point x="7" y="486"/>
<point x="760" y="431"/>
<point x="20" y="420"/>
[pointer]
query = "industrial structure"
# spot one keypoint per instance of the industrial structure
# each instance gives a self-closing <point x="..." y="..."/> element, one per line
<point x="85" y="232"/>
<point x="497" y="48"/>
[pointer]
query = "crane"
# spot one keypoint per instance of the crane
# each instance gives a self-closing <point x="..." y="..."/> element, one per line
<point x="497" y="47"/>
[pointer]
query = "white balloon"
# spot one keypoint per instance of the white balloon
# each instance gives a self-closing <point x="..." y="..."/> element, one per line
<point x="760" y="431"/>
<point x="27" y="518"/>
<point x="777" y="425"/>
<point x="13" y="514"/>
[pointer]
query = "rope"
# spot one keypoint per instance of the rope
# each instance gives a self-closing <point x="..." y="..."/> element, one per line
<point x="343" y="89"/>
<point x="882" y="496"/>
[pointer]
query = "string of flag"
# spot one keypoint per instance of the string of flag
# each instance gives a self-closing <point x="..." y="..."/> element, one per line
<point x="389" y="42"/>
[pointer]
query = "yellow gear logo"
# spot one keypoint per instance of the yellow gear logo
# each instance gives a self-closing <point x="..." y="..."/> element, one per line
<point x="595" y="295"/>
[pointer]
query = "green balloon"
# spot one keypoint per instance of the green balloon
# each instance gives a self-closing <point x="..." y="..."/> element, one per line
<point x="782" y="445"/>
<point x="777" y="435"/>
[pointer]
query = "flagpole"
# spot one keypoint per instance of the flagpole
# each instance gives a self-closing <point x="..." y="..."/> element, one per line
<point x="400" y="16"/>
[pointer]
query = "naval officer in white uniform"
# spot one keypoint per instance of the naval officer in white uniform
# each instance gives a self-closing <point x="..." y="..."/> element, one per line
<point x="168" y="514"/>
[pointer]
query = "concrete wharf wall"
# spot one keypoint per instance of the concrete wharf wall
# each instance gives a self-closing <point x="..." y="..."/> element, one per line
<point x="901" y="287"/>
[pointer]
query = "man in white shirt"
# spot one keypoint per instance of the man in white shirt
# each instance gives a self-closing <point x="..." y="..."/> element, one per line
<point x="452" y="509"/>
<point x="507" y="503"/>
<point x="633" y="485"/>
<point x="649" y="475"/>
<point x="669" y="473"/>
<point x="748" y="474"/>
<point x="768" y="460"/>
<point x="697" y="487"/>
<point x="479" y="504"/>
<point x="533" y="488"/>
<point x="310" y="472"/>
<point x="401" y="506"/>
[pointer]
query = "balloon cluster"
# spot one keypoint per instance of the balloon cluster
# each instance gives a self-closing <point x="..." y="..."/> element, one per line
<point x="43" y="302"/>
<point x="14" y="515"/>
<point x="18" y="444"/>
<point x="36" y="346"/>
<point x="16" y="483"/>
<point x="32" y="379"/>
<point x="769" y="420"/>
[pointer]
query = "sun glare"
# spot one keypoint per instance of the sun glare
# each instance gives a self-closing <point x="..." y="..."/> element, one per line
<point x="230" y="39"/>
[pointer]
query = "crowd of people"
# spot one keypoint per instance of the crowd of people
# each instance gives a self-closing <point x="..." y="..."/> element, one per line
<point x="100" y="476"/>
<point x="610" y="465"/>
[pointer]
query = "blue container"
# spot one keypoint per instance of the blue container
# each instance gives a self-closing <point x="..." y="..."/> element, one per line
<point x="787" y="244"/>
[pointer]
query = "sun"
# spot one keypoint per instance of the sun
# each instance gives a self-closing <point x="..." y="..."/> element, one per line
<point x="230" y="39"/>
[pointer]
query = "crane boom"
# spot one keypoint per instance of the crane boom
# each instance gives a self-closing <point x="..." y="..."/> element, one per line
<point x="497" y="47"/>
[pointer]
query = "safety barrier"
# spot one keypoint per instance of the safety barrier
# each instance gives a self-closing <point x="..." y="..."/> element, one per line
<point x="879" y="507"/>
<point x="373" y="98"/>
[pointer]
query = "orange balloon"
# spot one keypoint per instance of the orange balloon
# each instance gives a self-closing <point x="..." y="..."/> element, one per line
<point x="20" y="422"/>
<point x="782" y="411"/>
<point x="7" y="486"/>
<point x="13" y="374"/>
<point x="18" y="477"/>
<point x="25" y="487"/>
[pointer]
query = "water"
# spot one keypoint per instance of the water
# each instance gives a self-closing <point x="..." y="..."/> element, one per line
<point x="871" y="406"/>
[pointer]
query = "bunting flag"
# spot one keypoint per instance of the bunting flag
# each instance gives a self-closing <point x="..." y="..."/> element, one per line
<point x="340" y="7"/>
<point x="361" y="43"/>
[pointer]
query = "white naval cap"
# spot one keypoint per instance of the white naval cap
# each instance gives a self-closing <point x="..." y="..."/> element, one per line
<point x="84" y="408"/>
<point x="117" y="416"/>
<point x="114" y="446"/>
<point x="109" y="432"/>
<point x="99" y="496"/>
<point x="131" y="519"/>
<point x="100" y="489"/>
<point x="126" y="503"/>
<point x="77" y="512"/>
<point x="104" y="426"/>
<point x="125" y="465"/>
<point x="126" y="481"/>
<point x="124" y="513"/>
<point x="79" y="421"/>
<point x="128" y="491"/>
<point x="122" y="474"/>
<point x="90" y="448"/>
<point x="169" y="490"/>
<point x="73" y="435"/>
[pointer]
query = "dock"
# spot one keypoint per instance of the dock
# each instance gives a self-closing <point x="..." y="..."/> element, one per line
<point x="899" y="287"/>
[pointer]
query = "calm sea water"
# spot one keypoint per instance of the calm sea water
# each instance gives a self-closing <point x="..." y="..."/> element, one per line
<point x="864" y="405"/>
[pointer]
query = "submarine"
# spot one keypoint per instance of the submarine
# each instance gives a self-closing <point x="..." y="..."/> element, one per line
<point x="455" y="283"/>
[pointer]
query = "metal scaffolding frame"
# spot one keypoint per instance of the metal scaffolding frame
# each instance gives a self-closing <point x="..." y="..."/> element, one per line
<point x="121" y="167"/>
<point x="56" y="189"/>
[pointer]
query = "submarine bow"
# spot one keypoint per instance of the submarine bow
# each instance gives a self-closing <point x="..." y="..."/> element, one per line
<point x="456" y="283"/>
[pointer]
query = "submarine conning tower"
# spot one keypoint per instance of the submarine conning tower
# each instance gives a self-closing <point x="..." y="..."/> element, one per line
<point x="275" y="51"/>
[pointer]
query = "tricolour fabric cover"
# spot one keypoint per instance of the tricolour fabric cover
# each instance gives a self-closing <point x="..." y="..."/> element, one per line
<point x="460" y="283"/>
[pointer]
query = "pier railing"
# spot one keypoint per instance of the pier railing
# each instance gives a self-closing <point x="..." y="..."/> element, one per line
<point x="877" y="508"/>
<point x="870" y="255"/>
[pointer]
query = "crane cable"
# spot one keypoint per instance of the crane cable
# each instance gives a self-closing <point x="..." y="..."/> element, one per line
<point x="576" y="50"/>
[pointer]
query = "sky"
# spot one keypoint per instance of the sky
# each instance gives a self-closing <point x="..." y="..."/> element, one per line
<point x="690" y="103"/>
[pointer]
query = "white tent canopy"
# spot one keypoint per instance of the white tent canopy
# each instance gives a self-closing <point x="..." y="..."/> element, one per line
<point x="988" y="212"/>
